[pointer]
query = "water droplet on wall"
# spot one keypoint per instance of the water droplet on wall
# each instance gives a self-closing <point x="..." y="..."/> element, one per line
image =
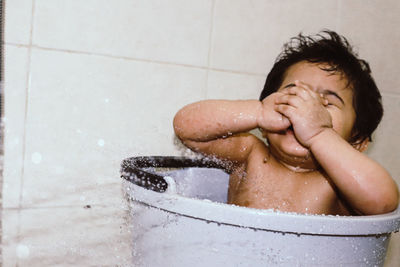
<point x="22" y="251"/>
<point x="100" y="142"/>
<point x="36" y="157"/>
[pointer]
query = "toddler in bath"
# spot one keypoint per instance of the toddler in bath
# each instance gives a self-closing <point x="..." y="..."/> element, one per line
<point x="317" y="111"/>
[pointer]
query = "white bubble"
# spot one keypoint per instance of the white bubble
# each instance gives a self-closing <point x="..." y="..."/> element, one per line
<point x="100" y="142"/>
<point x="106" y="100"/>
<point x="36" y="157"/>
<point x="22" y="251"/>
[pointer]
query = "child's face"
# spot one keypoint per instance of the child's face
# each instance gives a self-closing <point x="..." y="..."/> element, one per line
<point x="332" y="87"/>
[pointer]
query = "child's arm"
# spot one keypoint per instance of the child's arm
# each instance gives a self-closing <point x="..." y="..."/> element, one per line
<point x="365" y="185"/>
<point x="219" y="127"/>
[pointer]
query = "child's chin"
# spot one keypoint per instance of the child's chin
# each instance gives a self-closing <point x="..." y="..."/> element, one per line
<point x="298" y="151"/>
<point x="292" y="146"/>
<point x="289" y="145"/>
<point x="294" y="150"/>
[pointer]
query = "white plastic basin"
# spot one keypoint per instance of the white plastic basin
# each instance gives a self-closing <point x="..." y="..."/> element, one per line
<point x="190" y="225"/>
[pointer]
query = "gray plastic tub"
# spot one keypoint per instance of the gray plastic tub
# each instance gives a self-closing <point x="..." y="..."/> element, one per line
<point x="180" y="218"/>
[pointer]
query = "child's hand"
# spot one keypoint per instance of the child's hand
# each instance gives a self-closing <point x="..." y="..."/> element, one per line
<point x="269" y="119"/>
<point x="306" y="111"/>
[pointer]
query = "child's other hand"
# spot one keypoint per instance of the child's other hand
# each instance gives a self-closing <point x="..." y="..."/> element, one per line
<point x="306" y="111"/>
<point x="269" y="119"/>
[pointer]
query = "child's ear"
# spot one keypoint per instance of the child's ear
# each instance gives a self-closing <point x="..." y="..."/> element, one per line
<point x="361" y="145"/>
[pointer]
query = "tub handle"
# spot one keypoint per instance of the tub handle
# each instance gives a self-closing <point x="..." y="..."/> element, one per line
<point x="145" y="179"/>
<point x="131" y="169"/>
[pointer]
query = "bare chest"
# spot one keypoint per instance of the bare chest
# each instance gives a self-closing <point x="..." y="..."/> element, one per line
<point x="266" y="186"/>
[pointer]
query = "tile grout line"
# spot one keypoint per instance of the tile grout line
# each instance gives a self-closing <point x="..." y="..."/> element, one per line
<point x="27" y="86"/>
<point x="72" y="206"/>
<point x="135" y="59"/>
<point x="155" y="62"/>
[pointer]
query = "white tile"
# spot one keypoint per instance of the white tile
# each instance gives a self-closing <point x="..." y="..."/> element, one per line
<point x="225" y="85"/>
<point x="95" y="236"/>
<point x="18" y="16"/>
<point x="385" y="147"/>
<point x="9" y="237"/>
<point x="173" y="31"/>
<point x="16" y="67"/>
<point x="372" y="28"/>
<point x="248" y="35"/>
<point x="87" y="113"/>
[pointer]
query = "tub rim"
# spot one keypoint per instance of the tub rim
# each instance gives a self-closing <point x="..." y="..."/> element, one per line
<point x="257" y="219"/>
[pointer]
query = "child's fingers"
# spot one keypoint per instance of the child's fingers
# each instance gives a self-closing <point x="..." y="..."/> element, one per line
<point x="302" y="84"/>
<point x="301" y="92"/>
<point x="324" y="101"/>
<point x="312" y="92"/>
<point x="285" y="110"/>
<point x="305" y="86"/>
<point x="305" y="92"/>
<point x="288" y="99"/>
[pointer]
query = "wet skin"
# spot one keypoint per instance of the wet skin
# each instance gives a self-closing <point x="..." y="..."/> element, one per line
<point x="313" y="100"/>
<point x="284" y="176"/>
<point x="308" y="165"/>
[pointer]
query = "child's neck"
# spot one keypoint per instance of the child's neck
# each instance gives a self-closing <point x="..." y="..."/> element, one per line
<point x="297" y="168"/>
<point x="296" y="164"/>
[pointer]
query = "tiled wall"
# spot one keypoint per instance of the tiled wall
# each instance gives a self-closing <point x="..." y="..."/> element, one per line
<point x="89" y="83"/>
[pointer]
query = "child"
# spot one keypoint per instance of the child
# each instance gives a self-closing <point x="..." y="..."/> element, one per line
<point x="317" y="112"/>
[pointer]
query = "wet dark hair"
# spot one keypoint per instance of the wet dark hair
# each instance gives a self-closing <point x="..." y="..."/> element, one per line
<point x="329" y="48"/>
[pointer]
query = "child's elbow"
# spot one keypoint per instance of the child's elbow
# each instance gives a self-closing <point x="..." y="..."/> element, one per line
<point x="384" y="204"/>
<point x="178" y="124"/>
<point x="392" y="202"/>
